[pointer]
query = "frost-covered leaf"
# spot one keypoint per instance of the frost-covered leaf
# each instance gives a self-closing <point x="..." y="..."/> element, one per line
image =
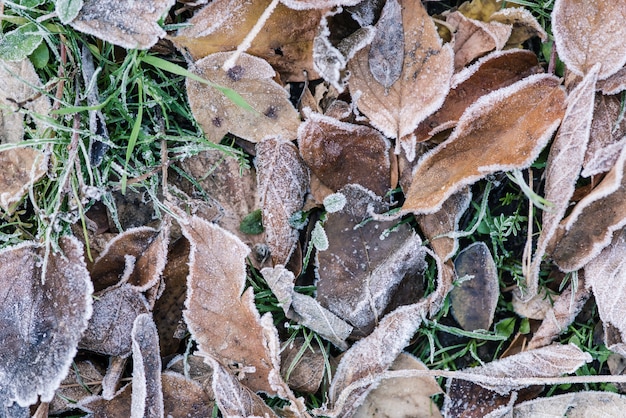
<point x="222" y="25"/>
<point x="114" y="312"/>
<point x="252" y="79"/>
<point x="318" y="4"/>
<point x="334" y="202"/>
<point x="386" y="54"/>
<point x="365" y="263"/>
<point x="131" y="25"/>
<point x="21" y="168"/>
<point x="42" y="319"/>
<point x="303" y="365"/>
<point x="585" y="404"/>
<point x="615" y="83"/>
<point x="421" y="88"/>
<point x="590" y="226"/>
<point x="563" y="167"/>
<point x="503" y="130"/>
<point x="67" y="10"/>
<point x="473" y="302"/>
<point x="405" y="397"/>
<point x="283" y="181"/>
<point x="19" y="43"/>
<point x="118" y="406"/>
<point x="524" y="25"/>
<point x="147" y="396"/>
<point x="588" y="33"/>
<point x="341" y="153"/>
<point x="184" y="397"/>
<point x="81" y="381"/>
<point x="319" y="239"/>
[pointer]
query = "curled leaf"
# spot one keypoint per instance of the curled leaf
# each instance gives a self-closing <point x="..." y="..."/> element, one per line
<point x="147" y="396"/>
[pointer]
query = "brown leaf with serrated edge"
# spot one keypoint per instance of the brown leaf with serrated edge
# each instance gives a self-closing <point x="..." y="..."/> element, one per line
<point x="118" y="406"/>
<point x="363" y="265"/>
<point x="588" y="33"/>
<point x="21" y="168"/>
<point x="474" y="301"/>
<point x="114" y="312"/>
<point x="252" y="79"/>
<point x="496" y="70"/>
<point x="131" y="25"/>
<point x="473" y="38"/>
<point x="184" y="397"/>
<point x="578" y="404"/>
<point x="406" y="397"/>
<point x="341" y="153"/>
<point x="222" y="25"/>
<point x="590" y="226"/>
<point x="422" y="87"/>
<point x="283" y="181"/>
<point x="563" y="167"/>
<point x="503" y="130"/>
<point x="147" y="396"/>
<point x="42" y="318"/>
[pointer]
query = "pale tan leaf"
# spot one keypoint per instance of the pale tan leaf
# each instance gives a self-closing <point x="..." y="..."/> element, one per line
<point x="183" y="397"/>
<point x="405" y="397"/>
<point x="586" y="404"/>
<point x="147" y="396"/>
<point x="341" y="153"/>
<point x="503" y="130"/>
<point x="422" y="87"/>
<point x="590" y="226"/>
<point x="474" y="301"/>
<point x="536" y="307"/>
<point x="252" y="78"/>
<point x="283" y="181"/>
<point x="21" y="168"/>
<point x="588" y="33"/>
<point x="563" y="167"/>
<point x="525" y="25"/>
<point x="614" y="84"/>
<point x="42" y="319"/>
<point x="318" y="4"/>
<point x="131" y="25"/>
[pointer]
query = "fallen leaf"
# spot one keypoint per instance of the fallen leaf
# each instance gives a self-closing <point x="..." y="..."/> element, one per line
<point x="21" y="168"/>
<point x="302" y="365"/>
<point x="588" y="33"/>
<point x="147" y="396"/>
<point x="406" y="397"/>
<point x="118" y="406"/>
<point x="386" y="54"/>
<point x="590" y="226"/>
<point x="42" y="316"/>
<point x="421" y="89"/>
<point x="252" y="79"/>
<point x="183" y="397"/>
<point x="341" y="153"/>
<point x="222" y="25"/>
<point x="82" y="381"/>
<point x="615" y="83"/>
<point x="364" y="264"/>
<point x="480" y="9"/>
<point x="283" y="181"/>
<point x="524" y="25"/>
<point x="586" y="404"/>
<point x="563" y="167"/>
<point x="195" y="368"/>
<point x="318" y="4"/>
<point x="503" y="130"/>
<point x="474" y="301"/>
<point x="131" y="25"/>
<point x="536" y="307"/>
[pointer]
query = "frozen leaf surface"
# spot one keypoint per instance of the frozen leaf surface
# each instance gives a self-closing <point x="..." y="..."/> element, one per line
<point x="118" y="406"/>
<point x="131" y="25"/>
<point x="524" y="25"/>
<point x="147" y="396"/>
<point x="586" y="404"/>
<point x="386" y="54"/>
<point x="503" y="130"/>
<point x="184" y="397"/>
<point x="21" y="168"/>
<point x="42" y="319"/>
<point x="252" y="78"/>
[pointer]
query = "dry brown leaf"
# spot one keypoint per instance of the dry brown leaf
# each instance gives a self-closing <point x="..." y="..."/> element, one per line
<point x="586" y="404"/>
<point x="252" y="78"/>
<point x="363" y="265"/>
<point x="587" y="33"/>
<point x="496" y="70"/>
<point x="614" y="84"/>
<point x="474" y="301"/>
<point x="480" y="9"/>
<point x="114" y="312"/>
<point x="534" y="308"/>
<point x="283" y="181"/>
<point x="21" y="168"/>
<point x="318" y="4"/>
<point x="563" y="167"/>
<point x="302" y="365"/>
<point x="503" y="130"/>
<point x="82" y="381"/>
<point x="222" y="25"/>
<point x="590" y="226"/>
<point x="473" y="38"/>
<point x="422" y="87"/>
<point x="131" y="25"/>
<point x="341" y="153"/>
<point x="42" y="319"/>
<point x="118" y="406"/>
<point x="183" y="397"/>
<point x="402" y="397"/>
<point x="525" y="25"/>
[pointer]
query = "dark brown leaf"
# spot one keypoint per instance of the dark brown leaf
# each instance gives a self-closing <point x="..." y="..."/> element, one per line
<point x="183" y="397"/>
<point x="386" y="54"/>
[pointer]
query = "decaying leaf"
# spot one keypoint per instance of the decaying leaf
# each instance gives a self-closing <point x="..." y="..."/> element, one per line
<point x="302" y="365"/>
<point x="386" y="54"/>
<point x="524" y="25"/>
<point x="42" y="319"/>
<point x="563" y="166"/>
<point x="590" y="226"/>
<point x="222" y="25"/>
<point x="615" y="83"/>
<point x="474" y="301"/>
<point x="283" y="181"/>
<point x="21" y="168"/>
<point x="585" y="404"/>
<point x="588" y="33"/>
<point x="118" y="406"/>
<point x="341" y="153"/>
<point x="252" y="78"/>
<point x="419" y="91"/>
<point x="183" y="397"/>
<point x="364" y="263"/>
<point x="131" y="25"/>
<point x="147" y="396"/>
<point x="82" y="381"/>
<point x="114" y="312"/>
<point x="318" y="4"/>
<point x="405" y="397"/>
<point x="503" y="130"/>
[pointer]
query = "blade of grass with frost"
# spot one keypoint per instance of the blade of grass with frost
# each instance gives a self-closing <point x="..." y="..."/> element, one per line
<point x="231" y="94"/>
<point x="134" y="134"/>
